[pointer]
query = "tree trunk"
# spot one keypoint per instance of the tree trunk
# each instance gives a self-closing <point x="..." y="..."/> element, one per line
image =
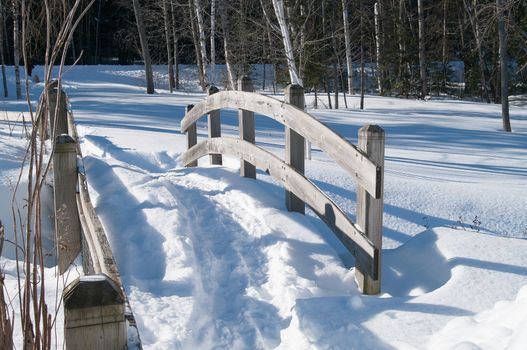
<point x="201" y="33"/>
<point x="168" y="25"/>
<point x="301" y="55"/>
<point x="144" y="47"/>
<point x="336" y="84"/>
<point x="2" y="57"/>
<point x="402" y="73"/>
<point x="315" y="106"/>
<point x="502" y="33"/>
<point x="97" y="33"/>
<point x="362" y="73"/>
<point x="473" y="19"/>
<point x="199" y="57"/>
<point x="326" y="85"/>
<point x="347" y="41"/>
<point x="213" y="41"/>
<point x="378" y="44"/>
<point x="16" y="47"/>
<point x="288" y="45"/>
<point x="175" y="39"/>
<point x="422" y="60"/>
<point x="444" y="47"/>
<point x="225" y="28"/>
<point x="6" y="37"/>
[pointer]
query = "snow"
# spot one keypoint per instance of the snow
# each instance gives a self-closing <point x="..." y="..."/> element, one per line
<point x="213" y="260"/>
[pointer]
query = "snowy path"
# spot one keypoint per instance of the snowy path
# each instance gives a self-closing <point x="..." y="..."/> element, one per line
<point x="212" y="253"/>
<point x="212" y="260"/>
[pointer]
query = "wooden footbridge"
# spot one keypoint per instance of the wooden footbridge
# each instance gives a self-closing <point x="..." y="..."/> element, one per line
<point x="96" y="310"/>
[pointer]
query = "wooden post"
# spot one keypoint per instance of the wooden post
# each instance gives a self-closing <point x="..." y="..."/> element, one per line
<point x="246" y="126"/>
<point x="294" y="146"/>
<point x="192" y="137"/>
<point x="58" y="125"/>
<point x="67" y="222"/>
<point x="214" y="128"/>
<point x="94" y="314"/>
<point x="369" y="209"/>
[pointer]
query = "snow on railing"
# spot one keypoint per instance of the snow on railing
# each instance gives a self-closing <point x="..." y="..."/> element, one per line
<point x="365" y="163"/>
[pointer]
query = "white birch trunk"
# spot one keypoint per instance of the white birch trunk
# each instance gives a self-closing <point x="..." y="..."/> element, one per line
<point x="212" y="41"/>
<point x="201" y="32"/>
<point x="197" y="50"/>
<point x="226" y="46"/>
<point x="288" y="46"/>
<point x="347" y="40"/>
<point x="168" y="25"/>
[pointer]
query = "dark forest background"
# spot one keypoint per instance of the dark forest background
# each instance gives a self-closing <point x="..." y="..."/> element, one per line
<point x="454" y="31"/>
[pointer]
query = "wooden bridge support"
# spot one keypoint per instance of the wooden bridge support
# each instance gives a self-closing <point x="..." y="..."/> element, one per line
<point x="67" y="223"/>
<point x="94" y="304"/>
<point x="94" y="314"/>
<point x="369" y="209"/>
<point x="214" y="127"/>
<point x="294" y="146"/>
<point x="192" y="136"/>
<point x="246" y="127"/>
<point x="365" y="163"/>
<point x="58" y="115"/>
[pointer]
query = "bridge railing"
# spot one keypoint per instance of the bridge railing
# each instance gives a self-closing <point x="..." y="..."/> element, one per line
<point x="96" y="310"/>
<point x="365" y="163"/>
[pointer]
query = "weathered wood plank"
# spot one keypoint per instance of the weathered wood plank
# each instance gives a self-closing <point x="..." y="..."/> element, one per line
<point x="214" y="124"/>
<point x="97" y="259"/>
<point x="100" y="253"/>
<point x="294" y="147"/>
<point x="353" y="160"/>
<point x="192" y="137"/>
<point x="246" y="128"/>
<point x="67" y="224"/>
<point x="348" y="233"/>
<point x="94" y="314"/>
<point x="369" y="209"/>
<point x="58" y="115"/>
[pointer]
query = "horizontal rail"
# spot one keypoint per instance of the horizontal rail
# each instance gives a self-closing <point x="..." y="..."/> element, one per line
<point x="356" y="162"/>
<point x="97" y="253"/>
<point x="347" y="232"/>
<point x="96" y="306"/>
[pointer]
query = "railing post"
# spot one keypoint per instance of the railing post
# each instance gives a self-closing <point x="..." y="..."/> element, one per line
<point x="94" y="316"/>
<point x="67" y="222"/>
<point x="58" y="125"/>
<point x="214" y="128"/>
<point x="294" y="146"/>
<point x="246" y="126"/>
<point x="369" y="209"/>
<point x="192" y="137"/>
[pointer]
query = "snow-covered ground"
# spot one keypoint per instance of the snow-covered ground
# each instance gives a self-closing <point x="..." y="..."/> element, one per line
<point x="212" y="260"/>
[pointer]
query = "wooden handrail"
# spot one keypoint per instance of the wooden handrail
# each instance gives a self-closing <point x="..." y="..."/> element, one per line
<point x="97" y="254"/>
<point x="364" y="162"/>
<point x="95" y="305"/>
<point x="367" y="173"/>
<point x="326" y="209"/>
